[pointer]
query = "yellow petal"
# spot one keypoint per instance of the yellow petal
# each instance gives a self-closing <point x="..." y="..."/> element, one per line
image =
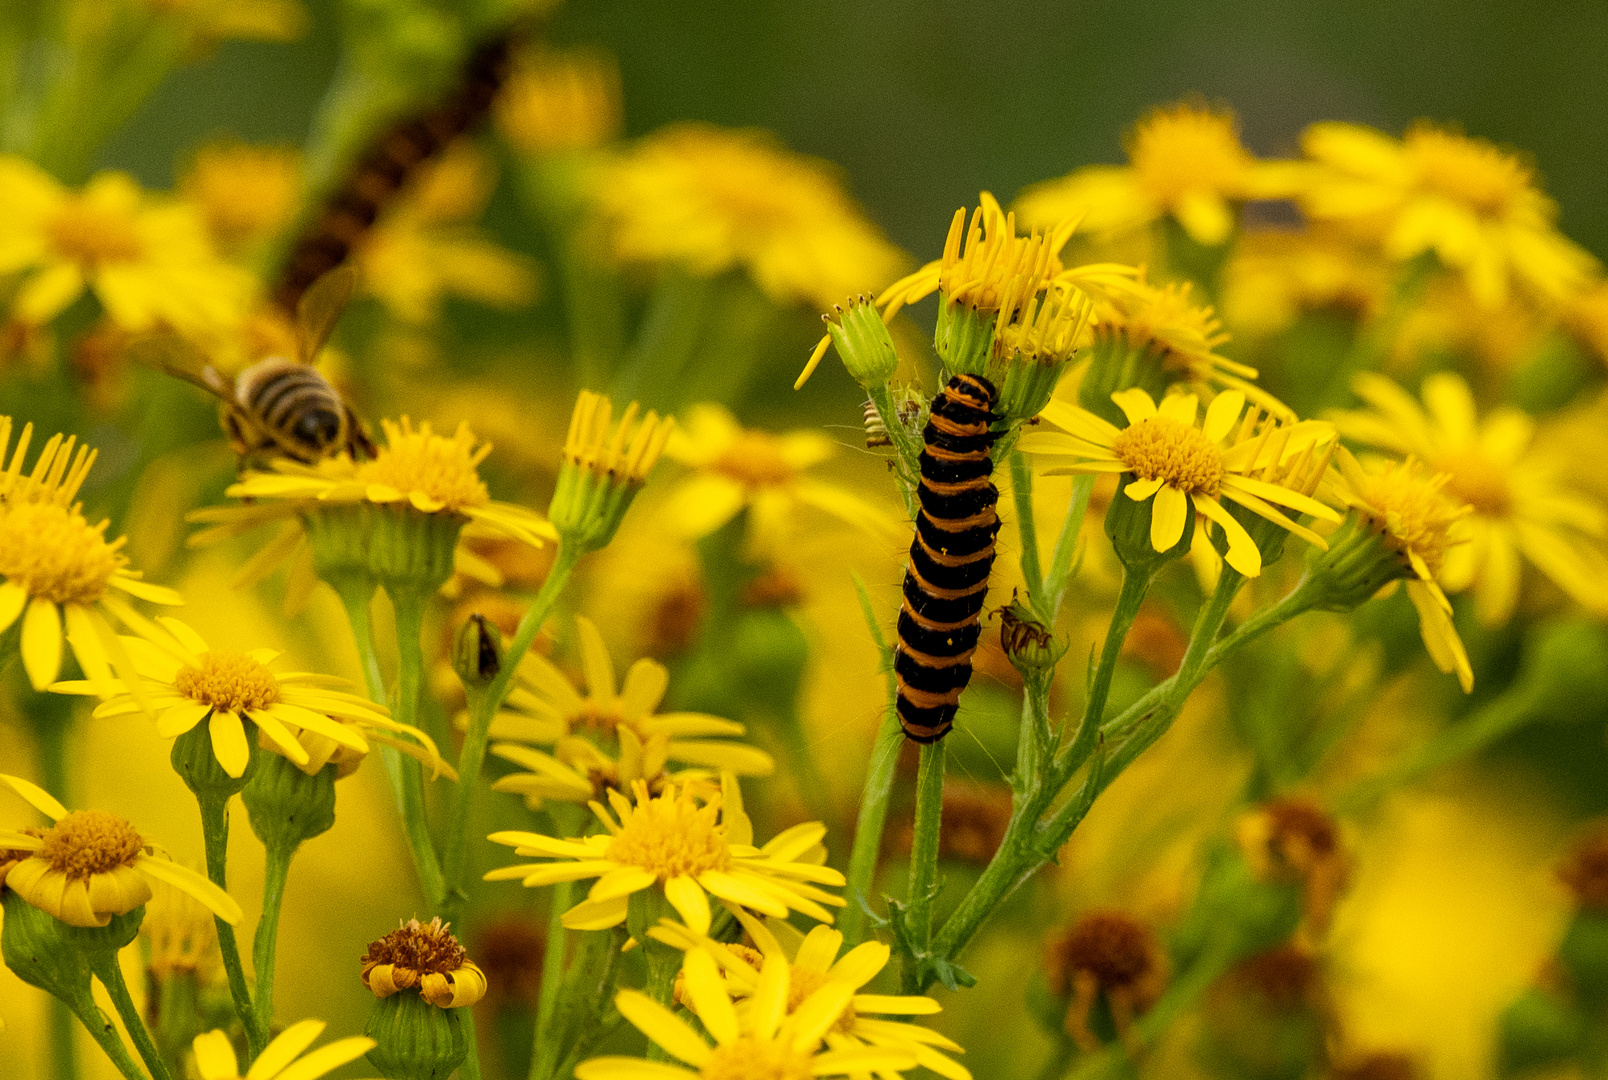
<point x="41" y="642"/>
<point x="13" y="597"/>
<point x="229" y="744"/>
<point x="35" y="796"/>
<point x="1169" y="513"/>
<point x="186" y="880"/>
<point x="215" y="1057"/>
<point x="709" y="998"/>
<point x="284" y="1049"/>
<point x="663" y="1027"/>
<point x="690" y="901"/>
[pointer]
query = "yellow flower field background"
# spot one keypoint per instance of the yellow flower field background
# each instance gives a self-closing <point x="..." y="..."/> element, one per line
<point x="459" y="616"/>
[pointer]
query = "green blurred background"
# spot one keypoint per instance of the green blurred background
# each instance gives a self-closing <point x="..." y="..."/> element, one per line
<point x="925" y="103"/>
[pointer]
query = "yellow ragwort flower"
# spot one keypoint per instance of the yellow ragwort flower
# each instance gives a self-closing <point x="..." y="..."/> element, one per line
<point x="687" y="850"/>
<point x="1184" y="160"/>
<point x="627" y="741"/>
<point x="737" y="468"/>
<point x="148" y="261"/>
<point x="761" y="1040"/>
<point x="425" y="248"/>
<point x="1189" y="469"/>
<point x="1521" y="503"/>
<point x="711" y="200"/>
<point x="815" y="963"/>
<point x="1416" y="519"/>
<point x="306" y="717"/>
<point x="1473" y="204"/>
<point x="90" y="865"/>
<point x="280" y="1059"/>
<point x="245" y="193"/>
<point x="55" y="566"/>
<point x="1275" y="276"/>
<point x="561" y="100"/>
<point x="425" y="957"/>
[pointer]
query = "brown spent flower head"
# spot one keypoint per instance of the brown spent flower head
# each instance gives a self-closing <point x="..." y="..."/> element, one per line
<point x="511" y="950"/>
<point x="1585" y="872"/>
<point x="426" y="957"/>
<point x="1106" y="952"/>
<point x="1293" y="839"/>
<point x="1288" y="976"/>
<point x="1379" y="1065"/>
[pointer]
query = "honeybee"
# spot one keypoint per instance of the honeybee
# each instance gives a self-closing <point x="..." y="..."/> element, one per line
<point x="278" y="407"/>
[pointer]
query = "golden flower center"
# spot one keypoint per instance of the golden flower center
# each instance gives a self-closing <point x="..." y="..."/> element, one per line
<point x="55" y="555"/>
<point x="756" y="460"/>
<point x="802" y="982"/>
<point x="1478" y="481"/>
<point x="1411" y="513"/>
<point x="671" y="837"/>
<point x="86" y="842"/>
<point x="90" y="234"/>
<point x="1164" y="449"/>
<point x="749" y="1058"/>
<point x="440" y="468"/>
<point x="1186" y="149"/>
<point x="229" y="682"/>
<point x="1469" y="171"/>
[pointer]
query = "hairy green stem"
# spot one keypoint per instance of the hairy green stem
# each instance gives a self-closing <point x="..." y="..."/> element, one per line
<point x="1135" y="584"/>
<point x="483" y="706"/>
<point x="266" y="943"/>
<point x="906" y="447"/>
<point x="873" y="816"/>
<point x="407" y="785"/>
<point x="1066" y="545"/>
<point x="924" y="858"/>
<point x="104" y="965"/>
<point x="104" y="1032"/>
<point x="1022" y="494"/>
<point x="215" y="836"/>
<point x="545" y="1046"/>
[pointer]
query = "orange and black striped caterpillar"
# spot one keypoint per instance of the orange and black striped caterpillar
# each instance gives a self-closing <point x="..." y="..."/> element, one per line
<point x="386" y="165"/>
<point x="950" y="558"/>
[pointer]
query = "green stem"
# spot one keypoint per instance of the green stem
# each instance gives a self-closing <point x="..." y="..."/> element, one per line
<point x="63" y="1041"/>
<point x="1135" y="584"/>
<point x="1066" y="545"/>
<point x="924" y="859"/>
<point x="873" y="816"/>
<point x="667" y="339"/>
<point x="808" y="780"/>
<point x="545" y="1045"/>
<point x="1022" y="493"/>
<point x="50" y="735"/>
<point x="588" y="1012"/>
<point x="104" y="965"/>
<point x="907" y="448"/>
<point x="356" y="593"/>
<point x="104" y="1032"/>
<point x="483" y="706"/>
<point x="470" y="1069"/>
<point x="215" y="836"/>
<point x="265" y="944"/>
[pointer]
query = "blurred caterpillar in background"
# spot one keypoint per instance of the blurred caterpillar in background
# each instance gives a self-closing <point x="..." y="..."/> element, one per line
<point x="382" y="169"/>
<point x="950" y="559"/>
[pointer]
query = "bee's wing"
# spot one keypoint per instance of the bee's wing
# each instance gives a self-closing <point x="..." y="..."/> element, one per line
<point x="174" y="356"/>
<point x="319" y="307"/>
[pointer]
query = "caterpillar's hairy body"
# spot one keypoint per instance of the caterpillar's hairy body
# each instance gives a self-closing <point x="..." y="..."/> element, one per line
<point x="951" y="556"/>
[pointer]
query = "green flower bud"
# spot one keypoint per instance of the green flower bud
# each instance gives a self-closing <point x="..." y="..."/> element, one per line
<point x="197" y="763"/>
<point x="1127" y="523"/>
<point x="414" y="1040"/>
<point x="477" y="651"/>
<point x="392" y="543"/>
<point x="40" y="950"/>
<point x="1119" y="362"/>
<point x="1262" y="1021"/>
<point x="285" y="805"/>
<point x="863" y="341"/>
<point x="964" y="337"/>
<point x="604" y="466"/>
<point x="1028" y="643"/>
<point x="1032" y="350"/>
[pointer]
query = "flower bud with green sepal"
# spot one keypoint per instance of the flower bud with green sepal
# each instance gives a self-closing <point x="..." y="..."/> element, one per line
<point x="603" y="467"/>
<point x="477" y="652"/>
<point x="420" y="976"/>
<point x="863" y="342"/>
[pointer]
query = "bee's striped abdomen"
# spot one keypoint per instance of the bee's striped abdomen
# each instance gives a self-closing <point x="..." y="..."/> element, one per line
<point x="950" y="559"/>
<point x="296" y="405"/>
